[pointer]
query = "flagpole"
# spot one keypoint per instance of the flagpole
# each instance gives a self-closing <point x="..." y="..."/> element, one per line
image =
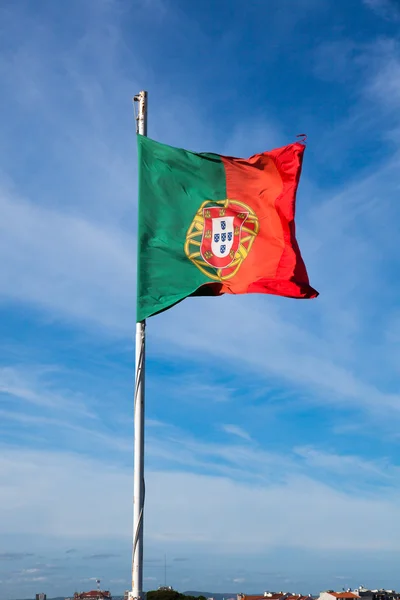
<point x="139" y="403"/>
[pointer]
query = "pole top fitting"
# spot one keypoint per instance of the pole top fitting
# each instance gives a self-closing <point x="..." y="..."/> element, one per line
<point x="139" y="96"/>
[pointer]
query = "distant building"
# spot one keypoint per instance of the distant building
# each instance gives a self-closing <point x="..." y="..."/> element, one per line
<point x="41" y="597"/>
<point x="331" y="595"/>
<point x="366" y="594"/>
<point x="269" y="595"/>
<point x="358" y="593"/>
<point x="273" y="596"/>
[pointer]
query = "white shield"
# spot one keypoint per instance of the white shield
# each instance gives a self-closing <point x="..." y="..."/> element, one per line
<point x="222" y="236"/>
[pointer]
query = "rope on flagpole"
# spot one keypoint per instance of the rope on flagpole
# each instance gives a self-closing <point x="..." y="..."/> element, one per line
<point x="137" y="392"/>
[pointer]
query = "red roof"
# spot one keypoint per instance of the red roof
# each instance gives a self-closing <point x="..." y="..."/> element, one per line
<point x="277" y="596"/>
<point x="93" y="594"/>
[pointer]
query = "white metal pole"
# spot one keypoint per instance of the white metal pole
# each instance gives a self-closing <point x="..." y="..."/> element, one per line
<point x="138" y="468"/>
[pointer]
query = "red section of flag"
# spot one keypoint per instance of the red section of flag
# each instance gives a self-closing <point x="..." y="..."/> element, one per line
<point x="267" y="183"/>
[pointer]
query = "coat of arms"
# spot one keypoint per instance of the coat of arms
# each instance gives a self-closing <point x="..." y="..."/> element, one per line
<point x="220" y="237"/>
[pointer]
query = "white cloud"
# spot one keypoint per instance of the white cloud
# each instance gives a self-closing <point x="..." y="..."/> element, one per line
<point x="287" y="515"/>
<point x="29" y="571"/>
<point x="348" y="465"/>
<point x="383" y="82"/>
<point x="31" y="385"/>
<point x="177" y="450"/>
<point x="194" y="388"/>
<point x="236" y="430"/>
<point x="55" y="475"/>
<point x="288" y="351"/>
<point x="66" y="264"/>
<point x="35" y="402"/>
<point x="295" y="512"/>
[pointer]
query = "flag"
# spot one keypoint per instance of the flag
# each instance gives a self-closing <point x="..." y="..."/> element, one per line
<point x="211" y="224"/>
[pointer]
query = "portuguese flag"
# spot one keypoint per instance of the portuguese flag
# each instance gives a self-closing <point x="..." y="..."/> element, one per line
<point x="211" y="225"/>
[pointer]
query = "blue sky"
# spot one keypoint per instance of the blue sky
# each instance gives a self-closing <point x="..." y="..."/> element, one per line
<point x="272" y="449"/>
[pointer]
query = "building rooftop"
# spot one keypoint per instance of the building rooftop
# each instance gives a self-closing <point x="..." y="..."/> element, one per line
<point x="348" y="595"/>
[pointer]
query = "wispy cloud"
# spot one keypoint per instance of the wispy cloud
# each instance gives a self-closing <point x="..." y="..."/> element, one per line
<point x="100" y="556"/>
<point x="14" y="555"/>
<point x="195" y="388"/>
<point x="293" y="352"/>
<point x="33" y="386"/>
<point x="388" y="9"/>
<point x="348" y="465"/>
<point x="296" y="492"/>
<point x="236" y="430"/>
<point x="51" y="259"/>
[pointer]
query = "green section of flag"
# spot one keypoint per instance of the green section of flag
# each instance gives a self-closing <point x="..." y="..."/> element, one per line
<point x="173" y="183"/>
